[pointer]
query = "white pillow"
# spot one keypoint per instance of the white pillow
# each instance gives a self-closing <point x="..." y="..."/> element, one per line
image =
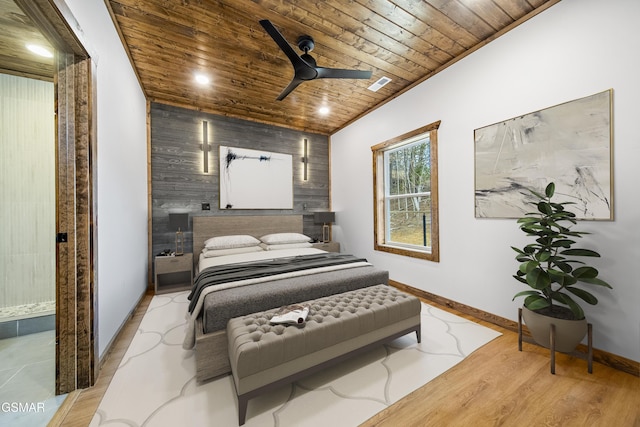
<point x="229" y="242"/>
<point x="285" y="246"/>
<point x="211" y="253"/>
<point x="279" y="238"/>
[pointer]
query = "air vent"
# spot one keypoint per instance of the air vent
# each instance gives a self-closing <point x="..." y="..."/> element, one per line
<point x="377" y="85"/>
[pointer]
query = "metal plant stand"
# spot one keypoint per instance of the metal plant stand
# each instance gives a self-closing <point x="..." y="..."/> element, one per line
<point x="552" y="341"/>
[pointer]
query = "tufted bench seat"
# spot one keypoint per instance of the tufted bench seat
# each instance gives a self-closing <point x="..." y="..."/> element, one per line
<point x="265" y="356"/>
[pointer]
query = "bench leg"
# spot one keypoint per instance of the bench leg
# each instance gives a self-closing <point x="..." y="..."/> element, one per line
<point x="419" y="334"/>
<point x="242" y="409"/>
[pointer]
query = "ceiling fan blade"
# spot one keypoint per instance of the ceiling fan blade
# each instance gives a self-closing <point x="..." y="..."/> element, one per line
<point x="282" y="43"/>
<point x="338" y="73"/>
<point x="305" y="66"/>
<point x="294" y="84"/>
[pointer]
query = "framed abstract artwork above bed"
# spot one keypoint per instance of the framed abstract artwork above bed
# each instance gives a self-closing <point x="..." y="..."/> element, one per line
<point x="569" y="144"/>
<point x="254" y="179"/>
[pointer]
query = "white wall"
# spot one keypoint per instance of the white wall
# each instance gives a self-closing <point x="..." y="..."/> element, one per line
<point x="122" y="172"/>
<point x="575" y="49"/>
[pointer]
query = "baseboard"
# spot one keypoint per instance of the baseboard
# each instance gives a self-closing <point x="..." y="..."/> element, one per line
<point x="63" y="410"/>
<point x="608" y="359"/>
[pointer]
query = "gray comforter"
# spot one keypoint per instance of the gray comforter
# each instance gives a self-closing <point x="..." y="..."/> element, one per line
<point x="250" y="270"/>
<point x="216" y="297"/>
<point x="221" y="306"/>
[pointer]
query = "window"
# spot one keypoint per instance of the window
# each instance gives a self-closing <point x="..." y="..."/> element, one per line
<point x="405" y="182"/>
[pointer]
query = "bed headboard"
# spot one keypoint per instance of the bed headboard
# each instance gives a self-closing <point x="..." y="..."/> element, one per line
<point x="205" y="227"/>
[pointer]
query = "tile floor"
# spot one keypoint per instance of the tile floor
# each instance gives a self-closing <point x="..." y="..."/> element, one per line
<point x="27" y="380"/>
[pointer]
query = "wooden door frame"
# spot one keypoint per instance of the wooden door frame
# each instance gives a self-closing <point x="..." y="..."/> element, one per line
<point x="76" y="252"/>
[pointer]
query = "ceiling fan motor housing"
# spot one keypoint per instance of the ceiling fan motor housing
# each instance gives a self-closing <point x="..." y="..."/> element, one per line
<point x="306" y="43"/>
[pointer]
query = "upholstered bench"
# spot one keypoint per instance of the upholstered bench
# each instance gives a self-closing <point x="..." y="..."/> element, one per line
<point x="265" y="356"/>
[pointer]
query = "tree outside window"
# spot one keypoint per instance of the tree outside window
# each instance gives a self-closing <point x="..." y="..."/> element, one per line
<point x="405" y="183"/>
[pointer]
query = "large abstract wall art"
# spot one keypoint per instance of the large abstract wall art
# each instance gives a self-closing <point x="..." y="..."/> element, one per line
<point x="569" y="144"/>
<point x="251" y="179"/>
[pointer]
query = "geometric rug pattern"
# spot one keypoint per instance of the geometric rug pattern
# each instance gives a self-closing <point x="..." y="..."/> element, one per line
<point x="155" y="384"/>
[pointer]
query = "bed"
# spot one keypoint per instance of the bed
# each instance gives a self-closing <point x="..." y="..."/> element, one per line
<point x="231" y="293"/>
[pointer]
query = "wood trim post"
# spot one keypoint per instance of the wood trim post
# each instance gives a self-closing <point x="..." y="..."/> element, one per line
<point x="76" y="312"/>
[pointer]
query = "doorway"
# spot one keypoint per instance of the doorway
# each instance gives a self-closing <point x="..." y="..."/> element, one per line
<point x="75" y="238"/>
<point x="27" y="252"/>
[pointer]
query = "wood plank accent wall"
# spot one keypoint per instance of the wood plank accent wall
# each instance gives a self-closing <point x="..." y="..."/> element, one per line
<point x="179" y="184"/>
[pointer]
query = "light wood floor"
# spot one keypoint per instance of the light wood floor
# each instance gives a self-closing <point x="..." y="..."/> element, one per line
<point x="496" y="386"/>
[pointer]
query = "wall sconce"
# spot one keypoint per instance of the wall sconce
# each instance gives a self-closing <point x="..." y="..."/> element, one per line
<point x="324" y="218"/>
<point x="305" y="159"/>
<point x="205" y="147"/>
<point x="179" y="222"/>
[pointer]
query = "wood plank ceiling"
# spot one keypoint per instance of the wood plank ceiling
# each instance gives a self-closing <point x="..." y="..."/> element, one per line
<point x="18" y="31"/>
<point x="169" y="41"/>
<point x="407" y="41"/>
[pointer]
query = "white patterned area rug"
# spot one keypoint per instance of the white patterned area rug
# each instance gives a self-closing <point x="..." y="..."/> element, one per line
<point x="155" y="383"/>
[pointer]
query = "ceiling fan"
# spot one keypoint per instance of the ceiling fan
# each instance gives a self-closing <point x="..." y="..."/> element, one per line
<point x="304" y="65"/>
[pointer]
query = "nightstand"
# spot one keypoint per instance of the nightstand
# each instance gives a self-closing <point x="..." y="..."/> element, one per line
<point x="329" y="246"/>
<point x="173" y="273"/>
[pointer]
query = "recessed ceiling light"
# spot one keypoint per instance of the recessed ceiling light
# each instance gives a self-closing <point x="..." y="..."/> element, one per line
<point x="39" y="50"/>
<point x="202" y="79"/>
<point x="324" y="110"/>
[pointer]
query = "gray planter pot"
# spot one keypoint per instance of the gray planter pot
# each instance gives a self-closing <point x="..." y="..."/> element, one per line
<point x="569" y="333"/>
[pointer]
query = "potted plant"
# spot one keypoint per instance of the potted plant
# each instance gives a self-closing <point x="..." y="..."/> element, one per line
<point x="549" y="267"/>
